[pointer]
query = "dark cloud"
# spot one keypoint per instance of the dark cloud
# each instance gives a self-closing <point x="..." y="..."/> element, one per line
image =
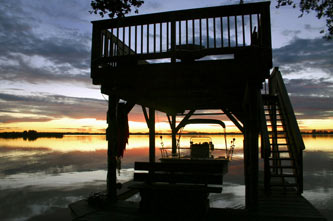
<point x="48" y="107"/>
<point x="291" y="32"/>
<point x="52" y="106"/>
<point x="55" y="55"/>
<point x="310" y="87"/>
<point x="10" y="119"/>
<point x="302" y="54"/>
<point x="311" y="28"/>
<point x="152" y="5"/>
<point x="311" y="98"/>
<point x="312" y="107"/>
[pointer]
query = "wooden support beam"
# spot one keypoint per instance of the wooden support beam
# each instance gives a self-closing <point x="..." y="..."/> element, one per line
<point x="146" y="115"/>
<point x="151" y="135"/>
<point x="150" y="120"/>
<point x="173" y="135"/>
<point x="233" y="119"/>
<point x="265" y="144"/>
<point x="111" y="135"/>
<point x="175" y="129"/>
<point x="251" y="132"/>
<point x="183" y="122"/>
<point x="172" y="122"/>
<point x="129" y="107"/>
<point x="173" y="40"/>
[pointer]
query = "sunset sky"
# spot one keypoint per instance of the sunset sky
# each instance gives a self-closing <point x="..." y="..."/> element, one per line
<point x="45" y="66"/>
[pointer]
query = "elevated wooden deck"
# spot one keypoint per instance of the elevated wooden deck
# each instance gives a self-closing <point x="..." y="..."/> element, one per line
<point x="173" y="61"/>
<point x="207" y="58"/>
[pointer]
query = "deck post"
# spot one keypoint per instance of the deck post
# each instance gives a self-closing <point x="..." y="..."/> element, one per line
<point x="111" y="135"/>
<point x="251" y="132"/>
<point x="151" y="135"/>
<point x="173" y="41"/>
<point x="173" y="137"/>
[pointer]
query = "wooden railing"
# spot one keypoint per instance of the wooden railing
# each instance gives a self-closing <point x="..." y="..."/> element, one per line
<point x="205" y="31"/>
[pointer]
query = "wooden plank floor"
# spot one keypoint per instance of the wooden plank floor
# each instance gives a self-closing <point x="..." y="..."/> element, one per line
<point x="273" y="207"/>
<point x="286" y="206"/>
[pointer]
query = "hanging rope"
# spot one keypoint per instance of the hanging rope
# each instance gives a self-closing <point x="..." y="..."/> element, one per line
<point x="122" y="129"/>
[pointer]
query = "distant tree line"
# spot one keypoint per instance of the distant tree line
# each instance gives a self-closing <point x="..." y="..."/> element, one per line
<point x="30" y="135"/>
<point x="321" y="132"/>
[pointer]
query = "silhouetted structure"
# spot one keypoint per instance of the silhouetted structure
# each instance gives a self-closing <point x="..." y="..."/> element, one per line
<point x="210" y="58"/>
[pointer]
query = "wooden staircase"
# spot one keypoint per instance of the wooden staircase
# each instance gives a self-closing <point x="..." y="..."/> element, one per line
<point x="283" y="143"/>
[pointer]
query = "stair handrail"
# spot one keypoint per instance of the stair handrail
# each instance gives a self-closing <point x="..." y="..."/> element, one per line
<point x="277" y="87"/>
<point x="275" y="81"/>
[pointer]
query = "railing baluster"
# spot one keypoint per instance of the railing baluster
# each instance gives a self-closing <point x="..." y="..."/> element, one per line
<point x="236" y="34"/>
<point x="243" y="25"/>
<point x="228" y="31"/>
<point x="136" y="39"/>
<point x="173" y="40"/>
<point x="251" y="37"/>
<point x="106" y="45"/>
<point x="193" y="31"/>
<point x="123" y="41"/>
<point x="117" y="41"/>
<point x="167" y="38"/>
<point x="141" y="39"/>
<point x="147" y="38"/>
<point x="200" y="32"/>
<point x="161" y="26"/>
<point x="111" y="44"/>
<point x="154" y="37"/>
<point x="221" y="24"/>
<point x="129" y="40"/>
<point x="180" y="32"/>
<point x="214" y="24"/>
<point x="186" y="31"/>
<point x="207" y="31"/>
<point x="102" y="45"/>
<point x="259" y="29"/>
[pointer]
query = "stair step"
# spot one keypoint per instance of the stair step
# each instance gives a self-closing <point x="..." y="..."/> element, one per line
<point x="283" y="175"/>
<point x="279" y="151"/>
<point x="283" y="167"/>
<point x="283" y="158"/>
<point x="284" y="184"/>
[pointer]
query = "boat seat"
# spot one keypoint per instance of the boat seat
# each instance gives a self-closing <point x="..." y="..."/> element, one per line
<point x="178" y="184"/>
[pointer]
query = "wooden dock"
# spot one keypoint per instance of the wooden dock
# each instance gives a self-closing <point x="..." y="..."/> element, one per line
<point x="126" y="63"/>
<point x="276" y="206"/>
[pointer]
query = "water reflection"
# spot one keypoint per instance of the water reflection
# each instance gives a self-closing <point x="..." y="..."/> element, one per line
<point x="36" y="176"/>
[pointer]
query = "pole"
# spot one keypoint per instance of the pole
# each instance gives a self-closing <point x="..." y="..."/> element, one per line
<point x="111" y="135"/>
<point x="151" y="135"/>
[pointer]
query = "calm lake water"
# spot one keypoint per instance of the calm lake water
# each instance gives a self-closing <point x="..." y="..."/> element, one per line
<point x="48" y="173"/>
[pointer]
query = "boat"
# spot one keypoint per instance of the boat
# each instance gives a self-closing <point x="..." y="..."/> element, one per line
<point x="200" y="147"/>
